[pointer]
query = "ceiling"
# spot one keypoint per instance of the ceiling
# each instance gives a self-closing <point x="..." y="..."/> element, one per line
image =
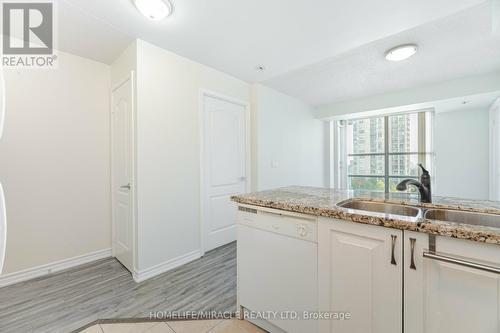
<point x="474" y="102"/>
<point x="457" y="46"/>
<point x="321" y="51"/>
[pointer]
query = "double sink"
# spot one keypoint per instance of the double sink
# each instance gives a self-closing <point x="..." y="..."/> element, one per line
<point x="436" y="214"/>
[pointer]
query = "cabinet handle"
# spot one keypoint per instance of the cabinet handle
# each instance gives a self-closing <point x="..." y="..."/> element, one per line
<point x="460" y="262"/>
<point x="412" y="246"/>
<point x="393" y="245"/>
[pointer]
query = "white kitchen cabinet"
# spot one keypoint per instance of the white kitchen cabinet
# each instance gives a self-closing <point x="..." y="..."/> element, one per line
<point x="360" y="273"/>
<point x="442" y="297"/>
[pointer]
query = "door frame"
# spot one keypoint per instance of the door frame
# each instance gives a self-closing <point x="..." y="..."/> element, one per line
<point x="203" y="169"/>
<point x="129" y="77"/>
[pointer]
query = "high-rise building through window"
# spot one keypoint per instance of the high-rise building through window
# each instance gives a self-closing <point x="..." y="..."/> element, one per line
<point x="381" y="151"/>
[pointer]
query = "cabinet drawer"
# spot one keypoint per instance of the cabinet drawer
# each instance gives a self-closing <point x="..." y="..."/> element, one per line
<point x="296" y="226"/>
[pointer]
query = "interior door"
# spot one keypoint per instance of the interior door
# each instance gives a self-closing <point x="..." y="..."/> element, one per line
<point x="224" y="168"/>
<point x="122" y="157"/>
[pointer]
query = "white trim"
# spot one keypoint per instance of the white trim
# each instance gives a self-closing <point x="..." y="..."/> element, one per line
<point x="140" y="276"/>
<point x="378" y="113"/>
<point x="248" y="163"/>
<point x="494" y="133"/>
<point x="56" y="266"/>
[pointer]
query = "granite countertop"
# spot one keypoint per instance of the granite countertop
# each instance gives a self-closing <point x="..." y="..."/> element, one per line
<point x="323" y="202"/>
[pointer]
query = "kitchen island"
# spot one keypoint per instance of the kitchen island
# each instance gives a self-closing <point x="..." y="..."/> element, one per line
<point x="301" y="250"/>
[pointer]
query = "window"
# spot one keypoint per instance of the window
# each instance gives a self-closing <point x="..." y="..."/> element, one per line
<point x="376" y="153"/>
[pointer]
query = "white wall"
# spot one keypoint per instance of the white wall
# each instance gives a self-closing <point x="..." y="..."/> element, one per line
<point x="124" y="64"/>
<point x="168" y="147"/>
<point x="496" y="17"/>
<point x="461" y="141"/>
<point x="54" y="162"/>
<point x="290" y="142"/>
<point x="494" y="115"/>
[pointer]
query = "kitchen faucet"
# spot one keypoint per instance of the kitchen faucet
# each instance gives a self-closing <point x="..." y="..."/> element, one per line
<point x="423" y="186"/>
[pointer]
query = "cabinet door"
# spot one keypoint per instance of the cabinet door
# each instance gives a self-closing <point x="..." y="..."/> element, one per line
<point x="448" y="297"/>
<point x="357" y="275"/>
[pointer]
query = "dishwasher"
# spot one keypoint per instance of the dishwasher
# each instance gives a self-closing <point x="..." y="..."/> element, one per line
<point x="277" y="269"/>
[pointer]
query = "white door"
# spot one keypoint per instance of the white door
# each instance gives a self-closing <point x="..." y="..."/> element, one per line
<point x="449" y="297"/>
<point x="224" y="165"/>
<point x="122" y="148"/>
<point x="360" y="272"/>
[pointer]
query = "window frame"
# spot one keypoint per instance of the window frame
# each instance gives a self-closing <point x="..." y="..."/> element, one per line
<point x="340" y="177"/>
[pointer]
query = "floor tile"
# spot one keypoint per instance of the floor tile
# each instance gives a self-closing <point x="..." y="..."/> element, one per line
<point x="92" y="329"/>
<point x="128" y="327"/>
<point x="193" y="326"/>
<point x="160" y="328"/>
<point x="236" y="326"/>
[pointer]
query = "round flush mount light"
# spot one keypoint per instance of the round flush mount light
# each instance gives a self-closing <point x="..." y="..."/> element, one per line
<point x="401" y="52"/>
<point x="155" y="10"/>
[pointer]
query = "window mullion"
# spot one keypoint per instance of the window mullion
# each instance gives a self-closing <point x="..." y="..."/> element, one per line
<point x="386" y="153"/>
<point x="421" y="138"/>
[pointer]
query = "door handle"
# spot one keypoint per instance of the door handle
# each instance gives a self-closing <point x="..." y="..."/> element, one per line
<point x="460" y="262"/>
<point x="412" y="247"/>
<point x="126" y="187"/>
<point x="393" y="247"/>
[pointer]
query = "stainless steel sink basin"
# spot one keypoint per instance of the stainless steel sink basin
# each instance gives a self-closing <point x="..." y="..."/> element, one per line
<point x="380" y="207"/>
<point x="457" y="216"/>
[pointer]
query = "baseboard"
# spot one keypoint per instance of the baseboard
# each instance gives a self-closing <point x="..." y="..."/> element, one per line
<point x="166" y="266"/>
<point x="31" y="273"/>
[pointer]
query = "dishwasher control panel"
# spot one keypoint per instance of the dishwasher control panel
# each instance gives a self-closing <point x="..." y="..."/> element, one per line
<point x="292" y="225"/>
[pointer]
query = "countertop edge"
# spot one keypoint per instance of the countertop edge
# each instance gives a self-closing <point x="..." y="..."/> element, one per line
<point x="438" y="228"/>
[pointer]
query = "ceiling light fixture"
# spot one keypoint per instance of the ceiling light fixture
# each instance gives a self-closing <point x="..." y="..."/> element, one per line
<point x="155" y="10"/>
<point x="401" y="52"/>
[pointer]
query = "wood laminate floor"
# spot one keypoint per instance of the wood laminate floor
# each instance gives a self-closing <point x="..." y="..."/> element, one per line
<point x="68" y="300"/>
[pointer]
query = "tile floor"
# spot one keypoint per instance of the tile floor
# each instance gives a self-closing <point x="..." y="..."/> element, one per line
<point x="190" y="326"/>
